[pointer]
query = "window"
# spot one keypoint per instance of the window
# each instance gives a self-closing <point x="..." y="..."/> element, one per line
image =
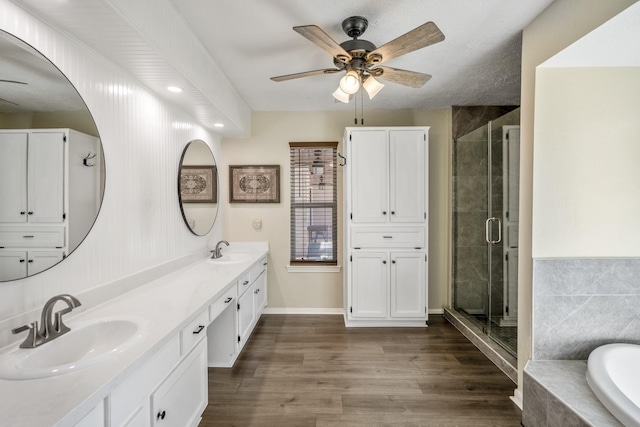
<point x="313" y="203"/>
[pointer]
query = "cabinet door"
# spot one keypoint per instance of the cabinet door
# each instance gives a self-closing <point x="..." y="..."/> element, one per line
<point x="408" y="284"/>
<point x="246" y="314"/>
<point x="369" y="284"/>
<point x="13" y="265"/>
<point x="13" y="177"/>
<point x="407" y="160"/>
<point x="46" y="177"/>
<point x="182" y="397"/>
<point x="260" y="292"/>
<point x="41" y="260"/>
<point x="369" y="176"/>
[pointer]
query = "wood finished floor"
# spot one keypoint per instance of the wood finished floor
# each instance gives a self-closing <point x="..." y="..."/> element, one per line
<point x="304" y="370"/>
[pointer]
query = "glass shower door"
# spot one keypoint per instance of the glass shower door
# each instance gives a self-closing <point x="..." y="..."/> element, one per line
<point x="485" y="230"/>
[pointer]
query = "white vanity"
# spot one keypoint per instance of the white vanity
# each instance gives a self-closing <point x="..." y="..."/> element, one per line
<point x="207" y="308"/>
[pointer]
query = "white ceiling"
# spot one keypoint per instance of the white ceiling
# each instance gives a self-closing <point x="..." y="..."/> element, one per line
<point x="224" y="52"/>
<point x="478" y="63"/>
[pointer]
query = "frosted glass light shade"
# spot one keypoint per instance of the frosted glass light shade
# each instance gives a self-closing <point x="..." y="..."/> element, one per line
<point x="372" y="86"/>
<point x="350" y="83"/>
<point x="341" y="96"/>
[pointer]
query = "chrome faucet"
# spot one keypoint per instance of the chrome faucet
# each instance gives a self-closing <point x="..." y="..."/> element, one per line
<point x="51" y="325"/>
<point x="217" y="252"/>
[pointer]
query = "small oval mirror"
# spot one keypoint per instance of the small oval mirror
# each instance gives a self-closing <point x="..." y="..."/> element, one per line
<point x="198" y="187"/>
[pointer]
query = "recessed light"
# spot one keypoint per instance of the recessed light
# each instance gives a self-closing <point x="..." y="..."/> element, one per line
<point x="219" y="125"/>
<point x="175" y="89"/>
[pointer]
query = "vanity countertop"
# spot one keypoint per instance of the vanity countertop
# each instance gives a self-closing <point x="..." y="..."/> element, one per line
<point x="168" y="304"/>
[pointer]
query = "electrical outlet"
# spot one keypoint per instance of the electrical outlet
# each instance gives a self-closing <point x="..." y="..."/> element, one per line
<point x="257" y="224"/>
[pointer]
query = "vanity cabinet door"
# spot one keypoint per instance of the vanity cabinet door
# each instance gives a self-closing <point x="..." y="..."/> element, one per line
<point x="182" y="397"/>
<point x="369" y="176"/>
<point x="407" y="169"/>
<point x="369" y="289"/>
<point x="246" y="314"/>
<point x="408" y="284"/>
<point x="46" y="177"/>
<point x="260" y="293"/>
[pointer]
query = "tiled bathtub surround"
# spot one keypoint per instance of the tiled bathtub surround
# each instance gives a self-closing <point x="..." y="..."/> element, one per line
<point x="580" y="304"/>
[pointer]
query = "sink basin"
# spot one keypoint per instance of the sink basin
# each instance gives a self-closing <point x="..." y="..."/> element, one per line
<point x="231" y="258"/>
<point x="87" y="344"/>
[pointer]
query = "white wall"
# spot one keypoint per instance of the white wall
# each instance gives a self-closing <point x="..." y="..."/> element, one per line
<point x="269" y="144"/>
<point x="586" y="175"/>
<point x="139" y="225"/>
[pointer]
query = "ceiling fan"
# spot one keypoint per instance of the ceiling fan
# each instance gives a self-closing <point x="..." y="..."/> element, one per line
<point x="11" y="81"/>
<point x="361" y="59"/>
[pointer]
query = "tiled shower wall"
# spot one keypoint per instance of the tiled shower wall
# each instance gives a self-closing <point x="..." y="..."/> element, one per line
<point x="580" y="304"/>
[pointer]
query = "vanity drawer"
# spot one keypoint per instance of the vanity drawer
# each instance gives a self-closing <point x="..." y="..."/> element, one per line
<point x="244" y="283"/>
<point x="32" y="237"/>
<point x="194" y="331"/>
<point x="396" y="237"/>
<point x="222" y="303"/>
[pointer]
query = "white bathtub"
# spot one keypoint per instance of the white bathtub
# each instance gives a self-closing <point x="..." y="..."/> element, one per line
<point x="613" y="373"/>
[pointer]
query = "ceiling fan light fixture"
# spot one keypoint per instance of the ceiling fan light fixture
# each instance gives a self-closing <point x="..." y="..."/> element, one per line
<point x="372" y="86"/>
<point x="341" y="96"/>
<point x="350" y="83"/>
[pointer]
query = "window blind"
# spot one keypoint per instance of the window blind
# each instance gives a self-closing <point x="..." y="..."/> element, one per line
<point x="313" y="202"/>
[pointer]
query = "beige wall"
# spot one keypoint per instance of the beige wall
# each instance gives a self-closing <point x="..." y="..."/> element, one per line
<point x="269" y="144"/>
<point x="77" y="120"/>
<point x="557" y="27"/>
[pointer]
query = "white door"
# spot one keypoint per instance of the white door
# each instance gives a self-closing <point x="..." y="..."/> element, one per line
<point x="368" y="163"/>
<point x="369" y="284"/>
<point x="46" y="177"/>
<point x="408" y="284"/>
<point x="13" y="265"/>
<point x="407" y="192"/>
<point x="13" y="177"/>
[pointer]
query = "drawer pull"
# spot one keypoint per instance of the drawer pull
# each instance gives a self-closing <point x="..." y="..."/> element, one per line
<point x="387" y="237"/>
<point x="245" y="283"/>
<point x="27" y="237"/>
<point x="200" y="328"/>
<point x="161" y="415"/>
<point x="228" y="300"/>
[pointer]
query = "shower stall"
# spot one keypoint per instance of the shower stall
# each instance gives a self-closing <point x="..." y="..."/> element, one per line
<point x="485" y="228"/>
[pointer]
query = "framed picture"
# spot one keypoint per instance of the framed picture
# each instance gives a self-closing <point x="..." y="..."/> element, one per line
<point x="199" y="184"/>
<point x="254" y="184"/>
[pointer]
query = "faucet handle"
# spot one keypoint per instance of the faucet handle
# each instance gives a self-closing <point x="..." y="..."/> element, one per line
<point x="58" y="326"/>
<point x="30" y="341"/>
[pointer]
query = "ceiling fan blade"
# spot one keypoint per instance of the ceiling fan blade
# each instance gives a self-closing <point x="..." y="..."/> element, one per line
<point x="423" y="36"/>
<point x="324" y="41"/>
<point x="9" y="102"/>
<point x="305" y="74"/>
<point x="13" y="81"/>
<point x="403" y="77"/>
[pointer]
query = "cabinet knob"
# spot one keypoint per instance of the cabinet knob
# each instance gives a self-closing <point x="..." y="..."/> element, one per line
<point x="161" y="415"/>
<point x="246" y="282"/>
<point x="384" y="212"/>
<point x="393" y="212"/>
<point x="22" y="212"/>
<point x="384" y="262"/>
<point x="30" y="213"/>
<point x="30" y="260"/>
<point x="393" y="262"/>
<point x="22" y="260"/>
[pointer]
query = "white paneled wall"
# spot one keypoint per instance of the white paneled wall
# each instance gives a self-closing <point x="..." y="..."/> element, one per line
<point x="139" y="226"/>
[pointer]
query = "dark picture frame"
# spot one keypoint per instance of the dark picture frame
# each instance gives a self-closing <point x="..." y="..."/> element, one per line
<point x="199" y="184"/>
<point x="254" y="184"/>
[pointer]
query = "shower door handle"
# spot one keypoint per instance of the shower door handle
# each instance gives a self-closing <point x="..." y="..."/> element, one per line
<point x="487" y="227"/>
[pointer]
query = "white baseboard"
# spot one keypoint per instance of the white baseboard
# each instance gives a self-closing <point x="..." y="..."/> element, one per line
<point x="517" y="398"/>
<point x="296" y="310"/>
<point x="333" y="311"/>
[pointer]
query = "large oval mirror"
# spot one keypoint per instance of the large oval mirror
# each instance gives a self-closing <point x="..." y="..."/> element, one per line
<point x="51" y="163"/>
<point x="198" y="187"/>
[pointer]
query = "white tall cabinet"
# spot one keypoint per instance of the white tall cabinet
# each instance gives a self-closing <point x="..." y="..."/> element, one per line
<point x="44" y="183"/>
<point x="386" y="217"/>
